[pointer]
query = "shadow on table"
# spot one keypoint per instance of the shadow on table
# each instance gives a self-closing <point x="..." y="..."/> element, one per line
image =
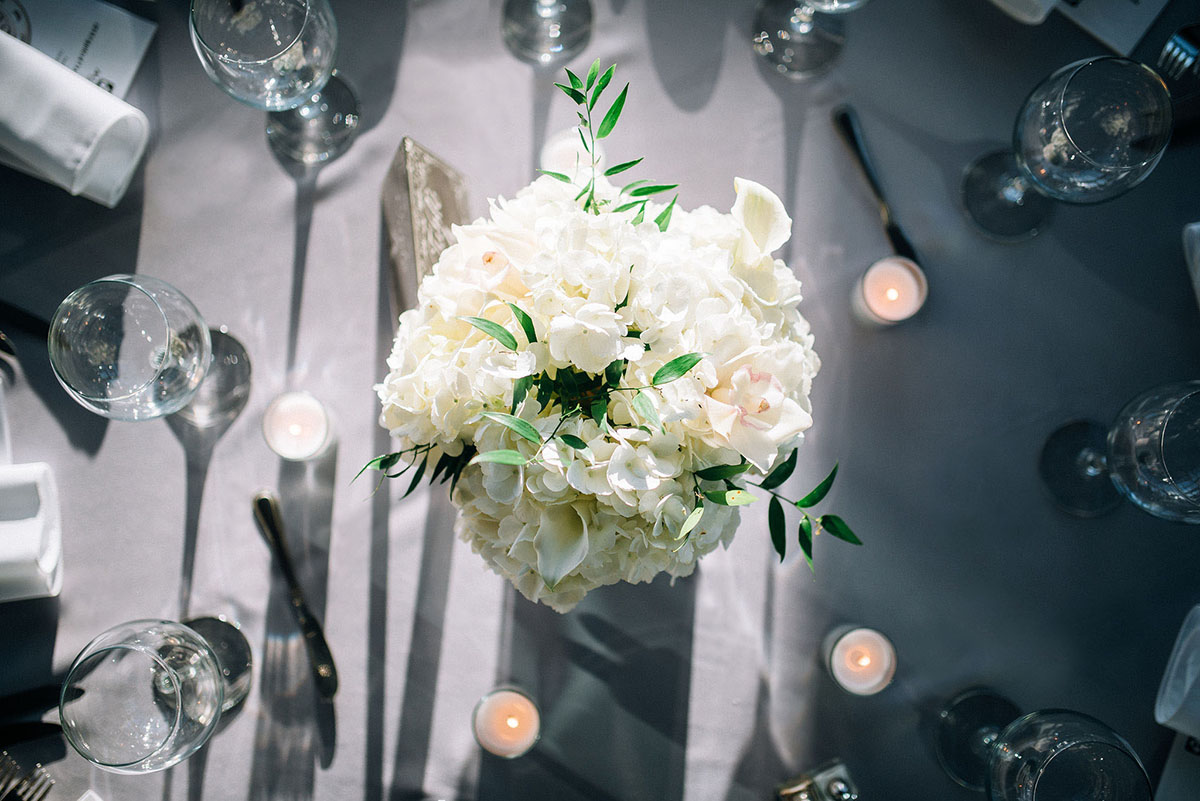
<point x="613" y="684"/>
<point x="295" y="728"/>
<point x="688" y="74"/>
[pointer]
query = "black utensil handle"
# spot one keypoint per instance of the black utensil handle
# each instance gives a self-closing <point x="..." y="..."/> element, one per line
<point x="270" y="523"/>
<point x="845" y="122"/>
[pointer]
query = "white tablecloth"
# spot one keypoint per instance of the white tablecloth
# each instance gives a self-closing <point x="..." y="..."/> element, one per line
<point x="710" y="689"/>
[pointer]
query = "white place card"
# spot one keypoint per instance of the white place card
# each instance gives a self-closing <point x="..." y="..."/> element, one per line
<point x="1120" y="24"/>
<point x="99" y="41"/>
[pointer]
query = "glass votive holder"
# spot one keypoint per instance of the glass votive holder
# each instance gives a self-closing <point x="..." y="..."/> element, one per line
<point x="506" y="722"/>
<point x="296" y="426"/>
<point x="892" y="290"/>
<point x="862" y="661"/>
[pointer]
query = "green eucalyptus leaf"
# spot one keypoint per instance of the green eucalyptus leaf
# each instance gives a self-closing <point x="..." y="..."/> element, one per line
<point x="838" y="528"/>
<point x="730" y="497"/>
<point x="640" y="217"/>
<point x="653" y="189"/>
<point x="416" y="479"/>
<point x="613" y="114"/>
<point x="664" y="218"/>
<point x="599" y="411"/>
<point x="804" y="535"/>
<point x="515" y="424"/>
<point x="574" y="79"/>
<point x="718" y="472"/>
<point x="583" y="139"/>
<point x="558" y="176"/>
<point x="622" y="167"/>
<point x="632" y="184"/>
<point x="819" y="492"/>
<point x="500" y="456"/>
<point x="691" y="520"/>
<point x="574" y="441"/>
<point x="676" y="368"/>
<point x="781" y="472"/>
<point x="600" y="86"/>
<point x="777" y="525"/>
<point x="494" y="330"/>
<point x="382" y="463"/>
<point x="628" y="206"/>
<point x="614" y="371"/>
<point x="645" y="407"/>
<point x="526" y="322"/>
<point x="593" y="71"/>
<point x="521" y="391"/>
<point x="573" y="93"/>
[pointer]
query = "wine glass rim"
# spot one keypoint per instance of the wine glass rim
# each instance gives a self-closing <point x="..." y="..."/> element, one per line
<point x="88" y="655"/>
<point x="1083" y="64"/>
<point x="216" y="54"/>
<point x="134" y="282"/>
<point x="1162" y="436"/>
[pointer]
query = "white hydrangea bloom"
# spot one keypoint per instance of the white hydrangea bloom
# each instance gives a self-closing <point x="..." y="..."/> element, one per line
<point x="600" y="290"/>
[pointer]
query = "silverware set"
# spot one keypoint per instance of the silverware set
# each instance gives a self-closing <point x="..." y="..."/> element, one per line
<point x="17" y="784"/>
<point x="1178" y="55"/>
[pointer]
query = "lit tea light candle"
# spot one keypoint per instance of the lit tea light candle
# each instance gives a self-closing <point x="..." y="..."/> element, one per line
<point x="893" y="289"/>
<point x="862" y="661"/>
<point x="296" y="426"/>
<point x="506" y="723"/>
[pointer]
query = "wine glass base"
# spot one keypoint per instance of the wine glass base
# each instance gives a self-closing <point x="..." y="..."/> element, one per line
<point x="319" y="130"/>
<point x="546" y="32"/>
<point x="1000" y="201"/>
<point x="966" y="728"/>
<point x="225" y="389"/>
<point x="233" y="655"/>
<point x="797" y="42"/>
<point x="1072" y="467"/>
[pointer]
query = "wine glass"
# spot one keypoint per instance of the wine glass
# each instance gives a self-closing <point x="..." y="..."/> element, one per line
<point x="142" y="696"/>
<point x="129" y="347"/>
<point x="278" y="55"/>
<point x="985" y="744"/>
<point x="1150" y="455"/>
<point x="546" y="32"/>
<point x="1090" y="132"/>
<point x="801" y="39"/>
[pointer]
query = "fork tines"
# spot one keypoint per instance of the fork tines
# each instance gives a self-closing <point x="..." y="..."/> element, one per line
<point x="18" y="785"/>
<point x="1179" y="53"/>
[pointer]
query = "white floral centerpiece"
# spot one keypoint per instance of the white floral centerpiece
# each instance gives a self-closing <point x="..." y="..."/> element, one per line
<point x="592" y="383"/>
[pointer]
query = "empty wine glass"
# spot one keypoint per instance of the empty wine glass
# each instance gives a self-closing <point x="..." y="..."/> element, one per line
<point x="801" y="39"/>
<point x="1150" y="455"/>
<point x="278" y="55"/>
<point x="129" y="347"/>
<point x="1090" y="132"/>
<point x="985" y="744"/>
<point x="546" y="32"/>
<point x="142" y="696"/>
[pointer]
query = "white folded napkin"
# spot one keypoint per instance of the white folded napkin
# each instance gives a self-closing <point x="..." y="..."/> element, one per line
<point x="62" y="128"/>
<point x="1178" y="703"/>
<point x="30" y="532"/>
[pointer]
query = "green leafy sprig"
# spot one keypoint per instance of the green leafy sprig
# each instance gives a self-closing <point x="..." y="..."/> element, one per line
<point x="586" y="93"/>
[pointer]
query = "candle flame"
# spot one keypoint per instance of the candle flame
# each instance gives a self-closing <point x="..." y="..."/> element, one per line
<point x="295" y="429"/>
<point x="860" y="658"/>
<point x="892" y="293"/>
<point x="512" y="721"/>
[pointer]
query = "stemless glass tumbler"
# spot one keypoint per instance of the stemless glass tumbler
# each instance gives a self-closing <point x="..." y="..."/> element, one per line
<point x="801" y="39"/>
<point x="142" y="696"/>
<point x="1090" y="132"/>
<point x="1150" y="455"/>
<point x="546" y="32"/>
<point x="1050" y="755"/>
<point x="129" y="347"/>
<point x="278" y="55"/>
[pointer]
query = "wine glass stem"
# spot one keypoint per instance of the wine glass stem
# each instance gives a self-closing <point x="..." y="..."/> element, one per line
<point x="985" y="737"/>
<point x="1092" y="462"/>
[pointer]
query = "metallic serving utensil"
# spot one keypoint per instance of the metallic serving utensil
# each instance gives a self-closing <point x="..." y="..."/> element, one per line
<point x="845" y="122"/>
<point x="270" y="524"/>
<point x="1179" y="53"/>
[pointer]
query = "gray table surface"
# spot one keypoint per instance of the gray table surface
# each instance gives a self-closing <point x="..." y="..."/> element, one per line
<point x="710" y="689"/>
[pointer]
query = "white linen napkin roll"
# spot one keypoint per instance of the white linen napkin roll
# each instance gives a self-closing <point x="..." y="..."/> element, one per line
<point x="1178" y="704"/>
<point x="62" y="128"/>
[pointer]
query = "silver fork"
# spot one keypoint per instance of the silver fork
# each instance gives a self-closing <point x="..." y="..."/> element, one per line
<point x="35" y="786"/>
<point x="1179" y="53"/>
